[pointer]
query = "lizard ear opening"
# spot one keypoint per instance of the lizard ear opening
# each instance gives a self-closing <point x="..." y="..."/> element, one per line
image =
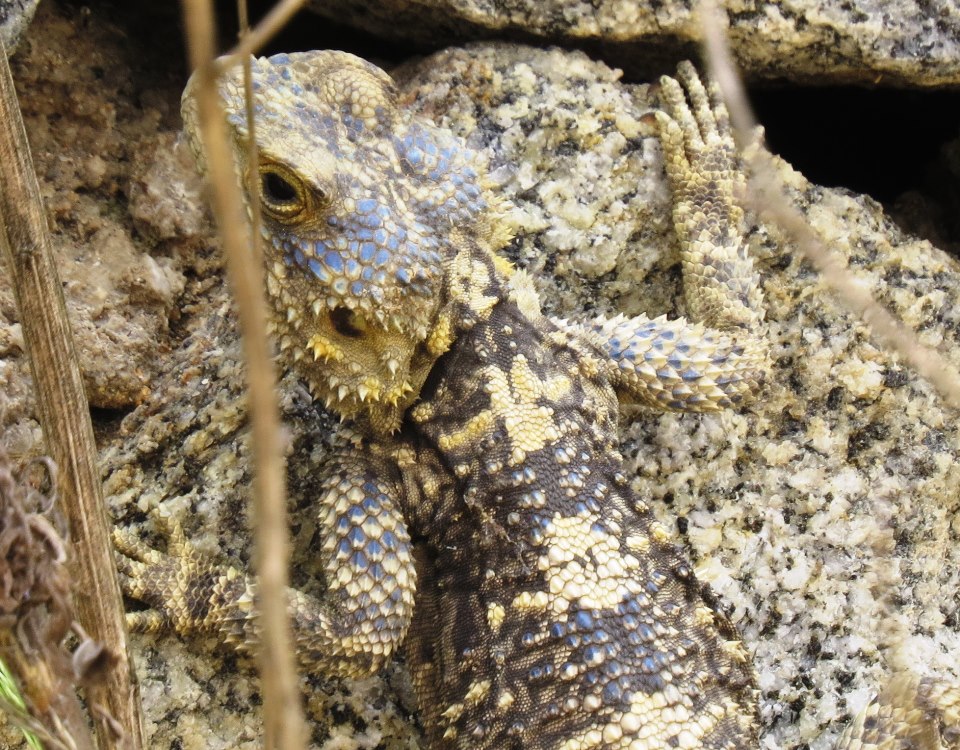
<point x="347" y="323"/>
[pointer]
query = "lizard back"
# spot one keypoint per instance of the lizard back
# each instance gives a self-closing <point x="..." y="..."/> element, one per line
<point x="553" y="609"/>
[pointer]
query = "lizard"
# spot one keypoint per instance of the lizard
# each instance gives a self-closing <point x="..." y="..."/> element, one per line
<point x="476" y="513"/>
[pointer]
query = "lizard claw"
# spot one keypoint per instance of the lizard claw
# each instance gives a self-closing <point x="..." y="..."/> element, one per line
<point x="134" y="552"/>
<point x="695" y="127"/>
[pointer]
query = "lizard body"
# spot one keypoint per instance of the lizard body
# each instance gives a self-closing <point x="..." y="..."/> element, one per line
<point x="476" y="512"/>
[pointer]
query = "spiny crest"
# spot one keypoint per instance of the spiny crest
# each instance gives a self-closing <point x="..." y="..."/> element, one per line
<point x="363" y="207"/>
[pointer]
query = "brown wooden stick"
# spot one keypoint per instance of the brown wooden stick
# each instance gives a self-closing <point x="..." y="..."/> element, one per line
<point x="282" y="714"/>
<point x="65" y="417"/>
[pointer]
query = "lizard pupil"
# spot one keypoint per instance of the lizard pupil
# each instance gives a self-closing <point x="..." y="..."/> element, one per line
<point x="276" y="189"/>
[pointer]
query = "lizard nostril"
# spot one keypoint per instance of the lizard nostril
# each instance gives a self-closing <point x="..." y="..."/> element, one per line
<point x="347" y="323"/>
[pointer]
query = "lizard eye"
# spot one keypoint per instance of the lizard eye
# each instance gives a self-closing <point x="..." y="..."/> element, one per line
<point x="282" y="194"/>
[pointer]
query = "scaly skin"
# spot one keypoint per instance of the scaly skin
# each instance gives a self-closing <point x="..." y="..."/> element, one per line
<point x="541" y="605"/>
<point x="476" y="512"/>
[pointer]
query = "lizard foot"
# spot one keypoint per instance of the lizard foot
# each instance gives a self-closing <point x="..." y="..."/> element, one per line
<point x="701" y="160"/>
<point x="182" y="587"/>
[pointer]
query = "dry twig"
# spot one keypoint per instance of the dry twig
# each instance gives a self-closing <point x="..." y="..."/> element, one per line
<point x="925" y="701"/>
<point x="65" y="418"/>
<point x="272" y="23"/>
<point x="767" y="197"/>
<point x="283" y="719"/>
<point x="36" y="613"/>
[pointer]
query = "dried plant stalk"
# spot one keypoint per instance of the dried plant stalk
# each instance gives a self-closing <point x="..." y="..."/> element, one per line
<point x="283" y="717"/>
<point x="767" y="197"/>
<point x="272" y="23"/>
<point x="36" y="614"/>
<point x="65" y="417"/>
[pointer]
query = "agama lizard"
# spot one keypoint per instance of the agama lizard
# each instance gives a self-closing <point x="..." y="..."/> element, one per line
<point x="477" y="513"/>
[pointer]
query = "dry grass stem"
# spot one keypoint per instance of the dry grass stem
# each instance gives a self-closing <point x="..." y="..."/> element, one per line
<point x="767" y="197"/>
<point x="64" y="414"/>
<point x="264" y="31"/>
<point x="283" y="719"/>
<point x="253" y="156"/>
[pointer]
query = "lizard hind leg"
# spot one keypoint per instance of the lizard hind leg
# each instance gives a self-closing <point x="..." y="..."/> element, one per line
<point x="348" y="632"/>
<point x="184" y="590"/>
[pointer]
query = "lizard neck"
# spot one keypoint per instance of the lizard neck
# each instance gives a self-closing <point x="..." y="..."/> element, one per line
<point x="475" y="281"/>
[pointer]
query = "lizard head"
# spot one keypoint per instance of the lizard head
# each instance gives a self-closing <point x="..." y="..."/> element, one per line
<point x="363" y="209"/>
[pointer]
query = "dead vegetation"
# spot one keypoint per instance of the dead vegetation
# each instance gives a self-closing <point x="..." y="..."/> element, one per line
<point x="36" y="611"/>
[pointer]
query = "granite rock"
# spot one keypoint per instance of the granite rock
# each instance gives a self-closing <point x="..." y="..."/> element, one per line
<point x="828" y="41"/>
<point x="125" y="224"/>
<point x="15" y="16"/>
<point x="825" y="517"/>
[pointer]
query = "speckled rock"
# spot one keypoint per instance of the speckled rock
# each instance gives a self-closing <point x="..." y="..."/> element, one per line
<point x="894" y="43"/>
<point x="825" y="517"/>
<point x="125" y="229"/>
<point x="15" y="16"/>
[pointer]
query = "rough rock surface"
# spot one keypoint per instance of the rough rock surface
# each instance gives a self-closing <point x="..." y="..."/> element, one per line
<point x="126" y="225"/>
<point x="826" y="517"/>
<point x="15" y="16"/>
<point x="873" y="42"/>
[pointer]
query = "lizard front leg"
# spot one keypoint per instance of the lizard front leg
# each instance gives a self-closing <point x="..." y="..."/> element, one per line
<point x="371" y="581"/>
<point x="677" y="365"/>
<point x="720" y="357"/>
